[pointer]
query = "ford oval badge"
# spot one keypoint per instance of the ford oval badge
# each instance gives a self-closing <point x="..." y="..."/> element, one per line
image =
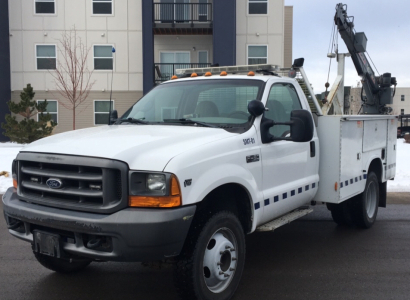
<point x="54" y="183"/>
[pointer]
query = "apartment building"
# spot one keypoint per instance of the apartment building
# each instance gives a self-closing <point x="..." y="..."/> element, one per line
<point x="152" y="38"/>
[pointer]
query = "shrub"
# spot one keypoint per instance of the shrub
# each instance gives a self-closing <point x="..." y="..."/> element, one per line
<point x="28" y="130"/>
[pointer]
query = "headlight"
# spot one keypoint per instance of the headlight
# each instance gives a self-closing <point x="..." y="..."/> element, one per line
<point x="154" y="190"/>
<point x="156" y="182"/>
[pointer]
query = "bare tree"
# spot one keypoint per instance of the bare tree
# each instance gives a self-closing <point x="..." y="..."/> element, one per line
<point x="72" y="76"/>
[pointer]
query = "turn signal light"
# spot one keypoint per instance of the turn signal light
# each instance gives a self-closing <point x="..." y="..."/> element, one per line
<point x="14" y="183"/>
<point x="149" y="201"/>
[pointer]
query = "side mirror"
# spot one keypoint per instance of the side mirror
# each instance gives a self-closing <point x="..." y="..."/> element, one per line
<point x="113" y="117"/>
<point x="301" y="129"/>
<point x="256" y="108"/>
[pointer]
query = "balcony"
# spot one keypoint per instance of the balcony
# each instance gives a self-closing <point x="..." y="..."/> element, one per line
<point x="182" y="18"/>
<point x="164" y="71"/>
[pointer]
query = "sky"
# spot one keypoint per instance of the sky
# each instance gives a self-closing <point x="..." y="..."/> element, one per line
<point x="385" y="23"/>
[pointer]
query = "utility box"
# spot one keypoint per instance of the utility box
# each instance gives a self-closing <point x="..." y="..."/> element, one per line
<point x="360" y="42"/>
<point x="347" y="145"/>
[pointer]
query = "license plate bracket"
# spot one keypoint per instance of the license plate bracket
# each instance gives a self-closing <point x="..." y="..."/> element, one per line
<point x="47" y="243"/>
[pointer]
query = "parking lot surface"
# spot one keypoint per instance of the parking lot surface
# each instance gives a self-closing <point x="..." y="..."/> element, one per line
<point x="311" y="258"/>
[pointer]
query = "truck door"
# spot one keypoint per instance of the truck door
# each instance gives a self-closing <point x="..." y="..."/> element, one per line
<point x="289" y="169"/>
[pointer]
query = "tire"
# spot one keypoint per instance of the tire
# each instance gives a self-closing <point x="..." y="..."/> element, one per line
<point x="341" y="213"/>
<point x="365" y="205"/>
<point x="59" y="265"/>
<point x="213" y="259"/>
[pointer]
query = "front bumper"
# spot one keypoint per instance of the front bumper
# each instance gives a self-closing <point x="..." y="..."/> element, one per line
<point x="135" y="234"/>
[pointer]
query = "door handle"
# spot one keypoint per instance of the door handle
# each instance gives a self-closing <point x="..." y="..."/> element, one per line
<point x="312" y="149"/>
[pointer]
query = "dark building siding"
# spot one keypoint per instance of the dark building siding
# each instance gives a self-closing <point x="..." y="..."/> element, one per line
<point x="5" y="83"/>
<point x="147" y="45"/>
<point x="224" y="33"/>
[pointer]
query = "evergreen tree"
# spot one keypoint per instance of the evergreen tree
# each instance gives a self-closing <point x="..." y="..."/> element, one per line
<point x="28" y="130"/>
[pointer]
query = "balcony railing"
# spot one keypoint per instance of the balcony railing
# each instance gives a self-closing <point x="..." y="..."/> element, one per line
<point x="182" y="17"/>
<point x="164" y="71"/>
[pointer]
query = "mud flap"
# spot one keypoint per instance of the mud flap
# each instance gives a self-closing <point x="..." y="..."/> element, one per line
<point x="382" y="194"/>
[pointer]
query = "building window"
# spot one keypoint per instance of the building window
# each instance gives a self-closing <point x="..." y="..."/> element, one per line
<point x="257" y="55"/>
<point x="258" y="7"/>
<point x="52" y="109"/>
<point x="45" y="6"/>
<point x="103" y="59"/>
<point x="402" y="97"/>
<point x="46" y="56"/>
<point x="102" y="111"/>
<point x="202" y="59"/>
<point x="402" y="111"/>
<point x="102" y="7"/>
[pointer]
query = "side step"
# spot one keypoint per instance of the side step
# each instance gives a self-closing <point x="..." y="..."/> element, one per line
<point x="292" y="216"/>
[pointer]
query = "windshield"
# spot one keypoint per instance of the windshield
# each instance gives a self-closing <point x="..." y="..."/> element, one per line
<point x="216" y="102"/>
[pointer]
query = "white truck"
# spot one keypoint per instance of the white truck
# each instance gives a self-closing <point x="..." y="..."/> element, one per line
<point x="191" y="168"/>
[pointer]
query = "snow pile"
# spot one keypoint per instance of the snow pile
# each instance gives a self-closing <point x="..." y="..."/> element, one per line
<point x="8" y="152"/>
<point x="401" y="182"/>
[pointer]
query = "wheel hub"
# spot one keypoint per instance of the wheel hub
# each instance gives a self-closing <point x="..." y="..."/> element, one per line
<point x="220" y="260"/>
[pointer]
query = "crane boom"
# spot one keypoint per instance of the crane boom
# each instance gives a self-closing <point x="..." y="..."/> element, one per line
<point x="378" y="89"/>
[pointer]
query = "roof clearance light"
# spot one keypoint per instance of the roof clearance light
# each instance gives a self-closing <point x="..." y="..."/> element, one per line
<point x="194" y="75"/>
<point x="251" y="73"/>
<point x="208" y="74"/>
<point x="223" y="73"/>
<point x="174" y="77"/>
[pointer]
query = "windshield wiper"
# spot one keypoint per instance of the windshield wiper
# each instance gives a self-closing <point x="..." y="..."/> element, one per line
<point x="132" y="120"/>
<point x="189" y="121"/>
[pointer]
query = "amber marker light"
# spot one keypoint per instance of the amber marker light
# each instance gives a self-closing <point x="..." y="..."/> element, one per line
<point x="173" y="200"/>
<point x="14" y="183"/>
<point x="194" y="75"/>
<point x="251" y="73"/>
<point x="335" y="186"/>
<point x="223" y="73"/>
<point x="174" y="77"/>
<point x="208" y="74"/>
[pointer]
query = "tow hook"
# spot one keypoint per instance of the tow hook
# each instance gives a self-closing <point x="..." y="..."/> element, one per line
<point x="93" y="243"/>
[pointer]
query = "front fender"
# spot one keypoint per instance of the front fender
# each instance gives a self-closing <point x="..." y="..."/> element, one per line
<point x="201" y="171"/>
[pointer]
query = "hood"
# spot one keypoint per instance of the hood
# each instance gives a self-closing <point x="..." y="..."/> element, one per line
<point x="142" y="147"/>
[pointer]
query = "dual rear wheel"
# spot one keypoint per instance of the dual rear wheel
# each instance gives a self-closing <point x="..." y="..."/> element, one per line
<point x="360" y="210"/>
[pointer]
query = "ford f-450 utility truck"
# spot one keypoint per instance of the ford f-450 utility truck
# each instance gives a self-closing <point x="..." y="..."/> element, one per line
<point x="191" y="168"/>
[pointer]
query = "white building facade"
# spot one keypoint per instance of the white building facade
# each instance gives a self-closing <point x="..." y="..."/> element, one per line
<point x="151" y="38"/>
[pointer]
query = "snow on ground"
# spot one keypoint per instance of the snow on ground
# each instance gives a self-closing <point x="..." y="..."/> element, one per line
<point x="401" y="183"/>
<point x="8" y="152"/>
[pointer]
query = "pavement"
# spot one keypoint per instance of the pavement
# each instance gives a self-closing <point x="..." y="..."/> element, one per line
<point x="311" y="258"/>
<point x="398" y="198"/>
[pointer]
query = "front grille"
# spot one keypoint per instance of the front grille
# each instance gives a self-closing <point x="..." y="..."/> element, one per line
<point x="88" y="184"/>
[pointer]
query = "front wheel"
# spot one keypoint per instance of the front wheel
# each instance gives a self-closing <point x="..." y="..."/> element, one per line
<point x="213" y="266"/>
<point x="366" y="204"/>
